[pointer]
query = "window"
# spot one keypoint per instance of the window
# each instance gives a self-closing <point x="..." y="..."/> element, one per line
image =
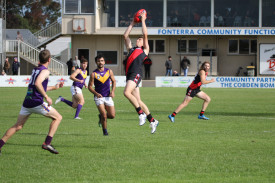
<point x="268" y="11"/>
<point x="157" y="46"/>
<point x="233" y="46"/>
<point x="151" y="45"/>
<point x="253" y="46"/>
<point x="108" y="18"/>
<point x="71" y="6"/>
<point x="182" y="46"/>
<point x="188" y="13"/>
<point x="242" y="46"/>
<point x="236" y="13"/>
<point x="87" y="6"/>
<point x="192" y="46"/>
<point x="187" y="46"/>
<point x="154" y="8"/>
<point x="79" y="6"/>
<point x="110" y="57"/>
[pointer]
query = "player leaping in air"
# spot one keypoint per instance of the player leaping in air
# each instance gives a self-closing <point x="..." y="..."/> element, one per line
<point x="194" y="91"/>
<point x="133" y="70"/>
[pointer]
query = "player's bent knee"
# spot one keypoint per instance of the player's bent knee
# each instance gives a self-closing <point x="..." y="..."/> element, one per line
<point x="127" y="94"/>
<point x="19" y="127"/>
<point x="59" y="117"/>
<point x="111" y="116"/>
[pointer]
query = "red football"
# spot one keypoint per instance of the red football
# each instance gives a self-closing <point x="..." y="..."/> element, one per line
<point x="137" y="17"/>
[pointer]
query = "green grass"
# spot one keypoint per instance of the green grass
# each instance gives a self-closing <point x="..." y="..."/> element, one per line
<point x="237" y="144"/>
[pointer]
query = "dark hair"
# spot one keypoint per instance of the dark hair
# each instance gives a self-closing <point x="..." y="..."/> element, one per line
<point x="83" y="60"/>
<point x="140" y="36"/>
<point x="203" y="64"/>
<point x="44" y="56"/>
<point x="169" y="57"/>
<point x="98" y="57"/>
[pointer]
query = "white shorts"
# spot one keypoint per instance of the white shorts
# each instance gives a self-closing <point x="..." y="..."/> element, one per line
<point x="75" y="90"/>
<point x="104" y="100"/>
<point x="41" y="109"/>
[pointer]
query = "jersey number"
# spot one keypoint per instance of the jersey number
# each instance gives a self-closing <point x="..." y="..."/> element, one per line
<point x="34" y="76"/>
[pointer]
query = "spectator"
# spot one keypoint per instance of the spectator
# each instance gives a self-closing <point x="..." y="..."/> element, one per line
<point x="76" y="64"/>
<point x="70" y="65"/>
<point x="147" y="64"/>
<point x="3" y="73"/>
<point x="15" y="66"/>
<point x="7" y="66"/>
<point x="19" y="36"/>
<point x="184" y="64"/>
<point x="168" y="65"/>
<point x="175" y="73"/>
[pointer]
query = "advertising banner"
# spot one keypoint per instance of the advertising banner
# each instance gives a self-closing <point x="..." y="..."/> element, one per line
<point x="220" y="82"/>
<point x="267" y="59"/>
<point x="23" y="81"/>
<point x="210" y="31"/>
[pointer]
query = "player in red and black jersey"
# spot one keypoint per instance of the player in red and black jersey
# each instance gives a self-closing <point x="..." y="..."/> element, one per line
<point x="194" y="91"/>
<point x="133" y="70"/>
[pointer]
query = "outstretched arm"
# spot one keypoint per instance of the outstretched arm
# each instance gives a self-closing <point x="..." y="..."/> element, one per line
<point x="145" y="34"/>
<point x="127" y="40"/>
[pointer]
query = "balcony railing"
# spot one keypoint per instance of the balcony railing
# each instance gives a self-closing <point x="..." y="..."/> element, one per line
<point x="45" y="35"/>
<point x="31" y="55"/>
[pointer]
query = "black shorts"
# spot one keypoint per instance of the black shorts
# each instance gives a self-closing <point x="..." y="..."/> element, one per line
<point x="134" y="77"/>
<point x="192" y="92"/>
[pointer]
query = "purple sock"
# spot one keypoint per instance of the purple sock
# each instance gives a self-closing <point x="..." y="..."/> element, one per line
<point x="78" y="109"/>
<point x="48" y="140"/>
<point x="69" y="103"/>
<point x="1" y="143"/>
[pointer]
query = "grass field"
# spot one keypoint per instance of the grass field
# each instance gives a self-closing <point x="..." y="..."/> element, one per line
<point x="237" y="144"/>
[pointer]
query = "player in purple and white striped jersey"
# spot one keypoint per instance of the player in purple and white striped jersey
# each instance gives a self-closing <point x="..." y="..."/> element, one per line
<point x="100" y="78"/>
<point x="34" y="103"/>
<point x="78" y="76"/>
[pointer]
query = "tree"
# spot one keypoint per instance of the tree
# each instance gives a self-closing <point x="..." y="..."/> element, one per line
<point x="31" y="14"/>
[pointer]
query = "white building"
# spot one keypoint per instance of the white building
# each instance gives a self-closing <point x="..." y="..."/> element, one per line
<point x="230" y="34"/>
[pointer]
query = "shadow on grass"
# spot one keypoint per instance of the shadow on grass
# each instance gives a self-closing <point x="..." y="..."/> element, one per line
<point x="90" y="146"/>
<point x="57" y="134"/>
<point x="263" y="115"/>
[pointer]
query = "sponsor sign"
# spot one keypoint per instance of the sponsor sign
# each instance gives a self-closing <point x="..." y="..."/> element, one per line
<point x="210" y="31"/>
<point x="23" y="81"/>
<point x="221" y="82"/>
<point x="267" y="59"/>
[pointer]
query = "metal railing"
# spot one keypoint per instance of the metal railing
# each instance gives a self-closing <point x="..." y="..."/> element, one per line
<point x="31" y="55"/>
<point x="44" y="35"/>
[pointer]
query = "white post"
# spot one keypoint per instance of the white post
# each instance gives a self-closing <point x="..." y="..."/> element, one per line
<point x="18" y="56"/>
